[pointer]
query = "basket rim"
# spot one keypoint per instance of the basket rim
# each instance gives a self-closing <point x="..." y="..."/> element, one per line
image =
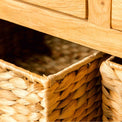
<point x="113" y="64"/>
<point x="49" y="80"/>
<point x="26" y="73"/>
<point x="61" y="74"/>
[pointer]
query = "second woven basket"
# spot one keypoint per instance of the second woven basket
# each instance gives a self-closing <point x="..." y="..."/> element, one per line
<point x="111" y="71"/>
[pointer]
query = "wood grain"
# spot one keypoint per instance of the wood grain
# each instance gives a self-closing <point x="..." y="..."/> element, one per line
<point x="117" y="14"/>
<point x="99" y="12"/>
<point x="74" y="7"/>
<point x="63" y="26"/>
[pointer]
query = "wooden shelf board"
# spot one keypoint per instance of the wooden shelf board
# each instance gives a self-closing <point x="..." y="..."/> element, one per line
<point x="63" y="26"/>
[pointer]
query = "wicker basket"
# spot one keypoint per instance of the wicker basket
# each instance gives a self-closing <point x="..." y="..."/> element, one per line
<point x="73" y="94"/>
<point x="111" y="71"/>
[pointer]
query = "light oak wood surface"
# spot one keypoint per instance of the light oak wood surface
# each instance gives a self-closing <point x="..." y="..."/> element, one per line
<point x="74" y="7"/>
<point x="63" y="26"/>
<point x="117" y="14"/>
<point x="99" y="12"/>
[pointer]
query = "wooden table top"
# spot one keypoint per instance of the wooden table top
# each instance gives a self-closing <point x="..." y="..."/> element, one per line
<point x="94" y="28"/>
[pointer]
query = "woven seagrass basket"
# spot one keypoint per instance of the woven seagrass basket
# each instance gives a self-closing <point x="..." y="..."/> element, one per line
<point x="111" y="71"/>
<point x="73" y="94"/>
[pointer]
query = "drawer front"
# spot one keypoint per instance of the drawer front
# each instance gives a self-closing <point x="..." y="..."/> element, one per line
<point x="117" y="14"/>
<point x="73" y="7"/>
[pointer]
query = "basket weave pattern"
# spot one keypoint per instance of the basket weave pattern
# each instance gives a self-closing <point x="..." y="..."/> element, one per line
<point x="112" y="91"/>
<point x="71" y="95"/>
<point x="76" y="97"/>
<point x="19" y="99"/>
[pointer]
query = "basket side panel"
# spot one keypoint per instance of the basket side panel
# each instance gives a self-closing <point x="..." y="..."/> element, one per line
<point x="19" y="97"/>
<point x="77" y="96"/>
<point x="111" y="91"/>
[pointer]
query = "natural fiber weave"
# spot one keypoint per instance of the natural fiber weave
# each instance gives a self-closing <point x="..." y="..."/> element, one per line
<point x="111" y="72"/>
<point x="73" y="94"/>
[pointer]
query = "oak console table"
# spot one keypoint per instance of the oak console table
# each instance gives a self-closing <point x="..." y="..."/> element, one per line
<point x="92" y="23"/>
